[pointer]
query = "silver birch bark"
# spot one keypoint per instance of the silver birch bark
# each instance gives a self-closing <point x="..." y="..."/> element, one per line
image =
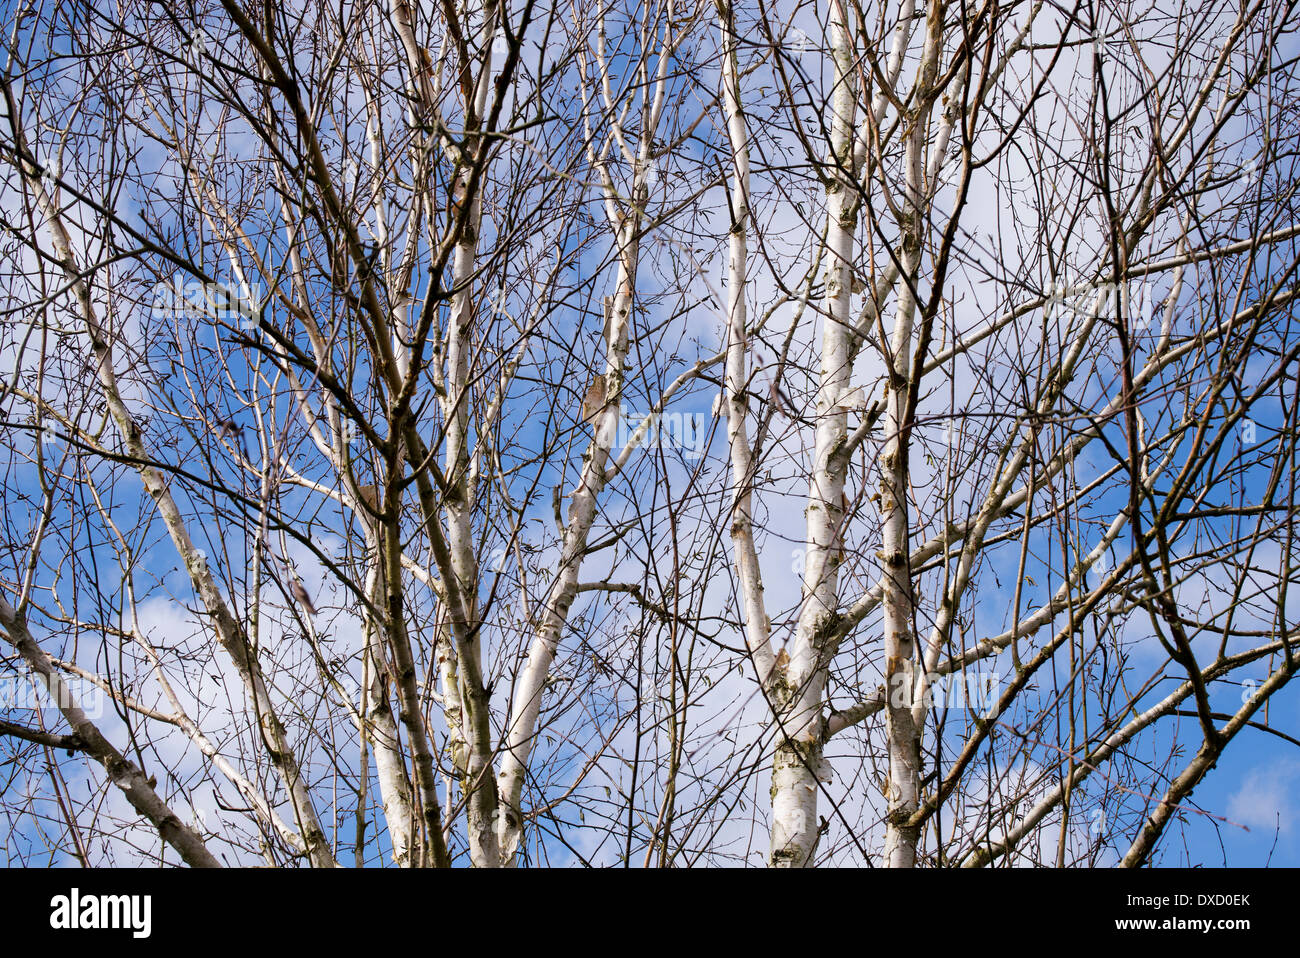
<point x="798" y="767"/>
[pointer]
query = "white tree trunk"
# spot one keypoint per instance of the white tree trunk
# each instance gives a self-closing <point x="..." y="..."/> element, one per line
<point x="798" y="767"/>
<point x="121" y="772"/>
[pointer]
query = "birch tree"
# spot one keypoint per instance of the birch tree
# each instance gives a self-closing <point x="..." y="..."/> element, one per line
<point x="688" y="433"/>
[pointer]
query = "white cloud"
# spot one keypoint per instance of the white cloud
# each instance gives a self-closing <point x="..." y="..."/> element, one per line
<point x="1267" y="797"/>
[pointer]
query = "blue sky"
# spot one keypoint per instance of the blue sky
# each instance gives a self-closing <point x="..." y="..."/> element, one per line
<point x="1253" y="784"/>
